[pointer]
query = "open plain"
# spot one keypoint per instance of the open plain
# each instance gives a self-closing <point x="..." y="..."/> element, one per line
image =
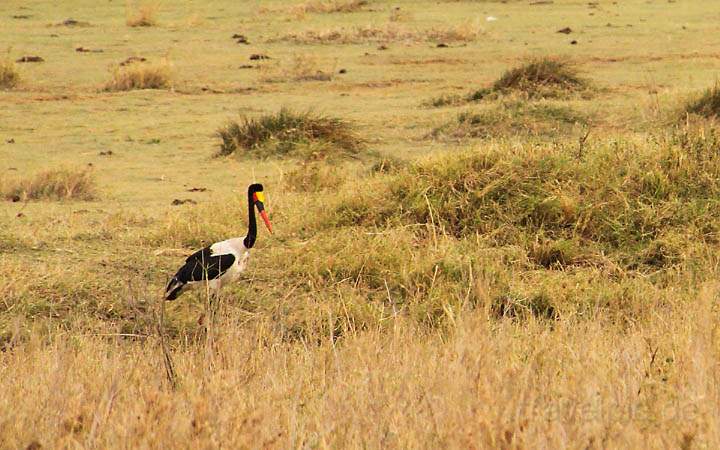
<point x="496" y="224"/>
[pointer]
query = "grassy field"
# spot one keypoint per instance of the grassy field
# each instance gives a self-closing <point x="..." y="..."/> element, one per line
<point x="465" y="256"/>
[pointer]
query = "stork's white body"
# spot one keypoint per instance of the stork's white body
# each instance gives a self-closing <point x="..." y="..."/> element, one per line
<point x="233" y="247"/>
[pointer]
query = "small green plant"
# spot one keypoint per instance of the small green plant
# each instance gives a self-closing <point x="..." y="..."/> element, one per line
<point x="289" y="133"/>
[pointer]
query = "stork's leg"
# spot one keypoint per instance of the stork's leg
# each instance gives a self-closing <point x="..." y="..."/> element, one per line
<point x="211" y="309"/>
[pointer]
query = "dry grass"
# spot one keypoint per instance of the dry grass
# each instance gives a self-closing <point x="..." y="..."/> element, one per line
<point x="484" y="384"/>
<point x="329" y="6"/>
<point x="62" y="184"/>
<point x="9" y="75"/>
<point x="391" y="32"/>
<point x="141" y="75"/>
<point x="301" y="67"/>
<point x="527" y="290"/>
<point x="142" y="15"/>
<point x="315" y="176"/>
<point x="289" y="133"/>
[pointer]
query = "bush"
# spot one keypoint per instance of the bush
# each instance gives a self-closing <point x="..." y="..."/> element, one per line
<point x="289" y="133"/>
<point x="141" y="75"/>
<point x="63" y="184"/>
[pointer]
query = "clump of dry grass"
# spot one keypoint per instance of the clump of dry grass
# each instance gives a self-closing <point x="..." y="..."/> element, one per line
<point x="302" y="67"/>
<point x="330" y="6"/>
<point x="9" y="75"/>
<point x="705" y="105"/>
<point x="143" y="15"/>
<point x="64" y="184"/>
<point x="289" y="133"/>
<point x="141" y="75"/>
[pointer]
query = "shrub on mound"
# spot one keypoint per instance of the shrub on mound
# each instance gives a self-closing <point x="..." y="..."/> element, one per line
<point x="64" y="184"/>
<point x="624" y="200"/>
<point x="288" y="133"/>
<point x="705" y="105"/>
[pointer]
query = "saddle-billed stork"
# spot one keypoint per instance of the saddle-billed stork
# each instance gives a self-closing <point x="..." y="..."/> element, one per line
<point x="222" y="262"/>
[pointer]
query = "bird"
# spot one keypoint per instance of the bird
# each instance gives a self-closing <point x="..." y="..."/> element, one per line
<point x="224" y="261"/>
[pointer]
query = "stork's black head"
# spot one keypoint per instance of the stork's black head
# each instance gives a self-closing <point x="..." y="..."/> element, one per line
<point x="255" y="193"/>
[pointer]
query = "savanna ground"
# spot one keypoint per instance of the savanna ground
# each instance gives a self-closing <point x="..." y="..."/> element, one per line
<point x="469" y="263"/>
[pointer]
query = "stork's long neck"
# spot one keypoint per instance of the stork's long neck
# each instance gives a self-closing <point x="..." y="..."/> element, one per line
<point x="252" y="226"/>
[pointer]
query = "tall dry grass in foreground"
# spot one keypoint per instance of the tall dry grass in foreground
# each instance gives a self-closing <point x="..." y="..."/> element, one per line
<point x="482" y="384"/>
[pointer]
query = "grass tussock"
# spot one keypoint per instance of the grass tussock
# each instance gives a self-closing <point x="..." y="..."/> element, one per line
<point x="705" y="105"/>
<point x="141" y="75"/>
<point x="289" y="133"/>
<point x="511" y="118"/>
<point x="9" y="74"/>
<point x="142" y="15"/>
<point x="64" y="184"/>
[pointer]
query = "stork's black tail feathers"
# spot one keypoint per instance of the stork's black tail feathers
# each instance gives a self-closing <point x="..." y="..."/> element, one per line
<point x="174" y="288"/>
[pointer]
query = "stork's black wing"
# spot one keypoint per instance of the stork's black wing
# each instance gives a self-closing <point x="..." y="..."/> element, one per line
<point x="203" y="265"/>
